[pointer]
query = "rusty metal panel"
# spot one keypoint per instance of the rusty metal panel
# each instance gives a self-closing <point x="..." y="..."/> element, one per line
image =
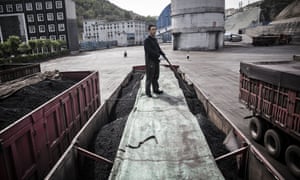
<point x="33" y="144"/>
<point x="20" y="154"/>
<point x="10" y="72"/>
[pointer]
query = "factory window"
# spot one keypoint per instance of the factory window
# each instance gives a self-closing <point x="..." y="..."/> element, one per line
<point x="31" y="29"/>
<point x="42" y="28"/>
<point x="19" y="7"/>
<point x="61" y="27"/>
<point x="58" y="4"/>
<point x="50" y="17"/>
<point x="51" y="28"/>
<point x="38" y="6"/>
<point x="53" y="37"/>
<point x="29" y="6"/>
<point x="33" y="38"/>
<point x="62" y="37"/>
<point x="60" y="16"/>
<point x="40" y="17"/>
<point x="1" y="9"/>
<point x="9" y="8"/>
<point x="48" y="4"/>
<point x="43" y="37"/>
<point x="30" y="18"/>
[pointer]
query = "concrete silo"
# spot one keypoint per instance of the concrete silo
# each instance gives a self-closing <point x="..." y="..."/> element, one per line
<point x="198" y="24"/>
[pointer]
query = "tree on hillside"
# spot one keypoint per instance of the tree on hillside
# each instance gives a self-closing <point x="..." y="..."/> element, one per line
<point x="271" y="8"/>
<point x="104" y="10"/>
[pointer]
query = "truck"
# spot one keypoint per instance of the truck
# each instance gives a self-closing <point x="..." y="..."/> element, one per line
<point x="271" y="39"/>
<point x="271" y="90"/>
<point x="30" y="146"/>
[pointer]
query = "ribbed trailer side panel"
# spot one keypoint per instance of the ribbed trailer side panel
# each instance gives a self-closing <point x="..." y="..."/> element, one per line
<point x="34" y="143"/>
<point x="272" y="91"/>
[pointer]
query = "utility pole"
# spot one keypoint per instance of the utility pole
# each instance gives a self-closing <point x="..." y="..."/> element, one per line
<point x="1" y="36"/>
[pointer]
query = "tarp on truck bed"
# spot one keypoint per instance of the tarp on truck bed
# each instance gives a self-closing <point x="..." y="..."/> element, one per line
<point x="162" y="139"/>
<point x="281" y="73"/>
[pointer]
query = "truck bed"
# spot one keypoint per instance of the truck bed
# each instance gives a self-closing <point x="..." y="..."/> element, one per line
<point x="281" y="73"/>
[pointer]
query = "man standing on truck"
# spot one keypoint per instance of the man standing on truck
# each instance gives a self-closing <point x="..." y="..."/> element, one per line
<point x="152" y="53"/>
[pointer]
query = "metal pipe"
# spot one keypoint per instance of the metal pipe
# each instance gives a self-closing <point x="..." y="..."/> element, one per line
<point x="91" y="155"/>
<point x="238" y="151"/>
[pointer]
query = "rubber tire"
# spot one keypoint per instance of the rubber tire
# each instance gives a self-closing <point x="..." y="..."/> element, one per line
<point x="292" y="159"/>
<point x="273" y="143"/>
<point x="256" y="129"/>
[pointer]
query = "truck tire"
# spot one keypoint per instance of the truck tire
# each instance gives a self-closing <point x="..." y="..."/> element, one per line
<point x="256" y="128"/>
<point x="273" y="143"/>
<point x="292" y="159"/>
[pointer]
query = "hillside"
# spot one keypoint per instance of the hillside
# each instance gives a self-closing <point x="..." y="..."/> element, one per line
<point x="103" y="9"/>
<point x="262" y="12"/>
<point x="291" y="11"/>
<point x="271" y="8"/>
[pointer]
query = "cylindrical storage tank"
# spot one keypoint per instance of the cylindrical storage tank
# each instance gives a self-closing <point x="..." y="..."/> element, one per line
<point x="198" y="24"/>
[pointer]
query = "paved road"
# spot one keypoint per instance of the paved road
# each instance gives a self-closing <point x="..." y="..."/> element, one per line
<point x="216" y="72"/>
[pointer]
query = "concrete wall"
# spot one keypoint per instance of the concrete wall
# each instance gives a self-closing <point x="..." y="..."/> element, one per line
<point x="198" y="24"/>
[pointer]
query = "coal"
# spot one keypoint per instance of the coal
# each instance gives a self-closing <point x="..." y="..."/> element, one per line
<point x="29" y="98"/>
<point x="107" y="140"/>
<point x="127" y="97"/>
<point x="213" y="135"/>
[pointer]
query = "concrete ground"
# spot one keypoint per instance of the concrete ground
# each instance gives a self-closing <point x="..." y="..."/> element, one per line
<point x="216" y="73"/>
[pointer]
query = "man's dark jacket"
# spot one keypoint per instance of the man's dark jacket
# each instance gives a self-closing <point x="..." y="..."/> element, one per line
<point x="152" y="50"/>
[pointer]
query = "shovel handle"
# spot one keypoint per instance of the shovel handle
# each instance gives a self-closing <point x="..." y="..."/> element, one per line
<point x="172" y="67"/>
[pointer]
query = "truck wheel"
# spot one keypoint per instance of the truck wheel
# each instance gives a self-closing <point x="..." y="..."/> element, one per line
<point x="273" y="143"/>
<point x="292" y="159"/>
<point x="256" y="128"/>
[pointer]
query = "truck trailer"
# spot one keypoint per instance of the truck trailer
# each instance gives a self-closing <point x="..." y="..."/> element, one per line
<point x="271" y="90"/>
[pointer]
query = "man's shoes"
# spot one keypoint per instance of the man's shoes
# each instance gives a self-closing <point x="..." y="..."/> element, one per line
<point x="149" y="95"/>
<point x="158" y="92"/>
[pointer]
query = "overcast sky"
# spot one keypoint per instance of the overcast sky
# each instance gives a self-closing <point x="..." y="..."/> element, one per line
<point x="155" y="7"/>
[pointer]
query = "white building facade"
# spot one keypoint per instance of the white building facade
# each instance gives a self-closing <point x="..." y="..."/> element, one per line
<point x="126" y="33"/>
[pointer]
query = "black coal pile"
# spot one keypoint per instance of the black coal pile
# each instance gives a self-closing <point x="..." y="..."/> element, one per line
<point x="213" y="135"/>
<point x="29" y="98"/>
<point x="107" y="141"/>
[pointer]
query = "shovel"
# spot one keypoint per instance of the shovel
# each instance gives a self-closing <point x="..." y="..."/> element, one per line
<point x="181" y="82"/>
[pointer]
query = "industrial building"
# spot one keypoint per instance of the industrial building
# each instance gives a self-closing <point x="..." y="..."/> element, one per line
<point x="164" y="25"/>
<point x="39" y="19"/>
<point x="197" y="24"/>
<point x="126" y="33"/>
